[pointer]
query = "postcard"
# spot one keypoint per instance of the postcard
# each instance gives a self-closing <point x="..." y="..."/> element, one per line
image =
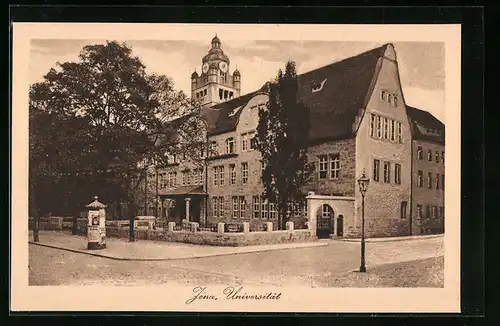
<point x="235" y="167"/>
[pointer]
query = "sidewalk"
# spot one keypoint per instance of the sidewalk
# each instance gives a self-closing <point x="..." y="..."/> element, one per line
<point x="148" y="250"/>
<point x="413" y="237"/>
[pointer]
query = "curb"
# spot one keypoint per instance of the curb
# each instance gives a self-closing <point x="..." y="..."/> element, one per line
<point x="374" y="240"/>
<point x="168" y="259"/>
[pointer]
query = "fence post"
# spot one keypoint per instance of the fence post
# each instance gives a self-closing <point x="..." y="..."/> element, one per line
<point x="171" y="226"/>
<point x="269" y="226"/>
<point x="194" y="226"/>
<point x="220" y="227"/>
<point x="246" y="227"/>
<point x="289" y="226"/>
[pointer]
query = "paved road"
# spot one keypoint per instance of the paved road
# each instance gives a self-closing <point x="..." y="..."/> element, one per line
<point x="287" y="267"/>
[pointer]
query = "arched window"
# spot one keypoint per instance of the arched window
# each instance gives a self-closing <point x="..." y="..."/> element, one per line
<point x="230" y="145"/>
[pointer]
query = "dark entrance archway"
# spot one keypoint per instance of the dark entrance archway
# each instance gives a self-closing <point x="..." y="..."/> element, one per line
<point x="325" y="218"/>
<point x="340" y="225"/>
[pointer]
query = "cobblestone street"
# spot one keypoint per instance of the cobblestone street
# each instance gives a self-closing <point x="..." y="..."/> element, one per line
<point x="313" y="267"/>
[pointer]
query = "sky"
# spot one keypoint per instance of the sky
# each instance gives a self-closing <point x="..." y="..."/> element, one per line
<point x="421" y="64"/>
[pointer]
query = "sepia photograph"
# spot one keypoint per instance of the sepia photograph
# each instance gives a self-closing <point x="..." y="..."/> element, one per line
<point x="243" y="167"/>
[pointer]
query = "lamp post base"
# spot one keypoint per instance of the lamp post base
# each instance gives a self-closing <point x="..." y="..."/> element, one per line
<point x="362" y="269"/>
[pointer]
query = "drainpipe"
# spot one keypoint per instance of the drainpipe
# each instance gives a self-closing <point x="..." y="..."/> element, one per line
<point x="411" y="188"/>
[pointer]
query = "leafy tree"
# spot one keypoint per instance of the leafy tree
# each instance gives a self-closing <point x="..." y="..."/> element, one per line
<point x="99" y="124"/>
<point x="282" y="139"/>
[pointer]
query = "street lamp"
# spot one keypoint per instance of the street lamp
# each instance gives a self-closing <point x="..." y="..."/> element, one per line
<point x="363" y="187"/>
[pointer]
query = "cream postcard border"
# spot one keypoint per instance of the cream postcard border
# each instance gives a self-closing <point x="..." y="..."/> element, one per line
<point x="169" y="298"/>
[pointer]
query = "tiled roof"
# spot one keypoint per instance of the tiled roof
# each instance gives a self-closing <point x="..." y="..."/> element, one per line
<point x="225" y="121"/>
<point x="334" y="108"/>
<point x="346" y="84"/>
<point x="427" y="121"/>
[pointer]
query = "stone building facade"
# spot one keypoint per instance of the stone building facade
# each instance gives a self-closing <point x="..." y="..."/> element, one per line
<point x="359" y="122"/>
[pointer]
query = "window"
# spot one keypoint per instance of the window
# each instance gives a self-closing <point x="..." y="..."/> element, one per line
<point x="230" y="144"/>
<point x="329" y="166"/>
<point x="256" y="206"/>
<point x="387" y="172"/>
<point x="419" y="212"/>
<point x="383" y="95"/>
<point x="404" y="206"/>
<point x="244" y="143"/>
<point x="223" y="76"/>
<point x="247" y="141"/>
<point x="221" y="206"/>
<point x="326" y="212"/>
<point x="253" y="142"/>
<point x="244" y="173"/>
<point x="389" y="99"/>
<point x="429" y="180"/>
<point x="420" y="179"/>
<point x="376" y="170"/>
<point x="214" y="149"/>
<point x="264" y="208"/>
<point x="232" y="171"/>
<point x="200" y="176"/>
<point x="184" y="178"/>
<point x="272" y="211"/>
<point x="372" y="125"/>
<point x="334" y="166"/>
<point x="242" y="206"/>
<point x="393" y="130"/>
<point x="437" y="180"/>
<point x="442" y="157"/>
<point x="379" y="127"/>
<point x="395" y="100"/>
<point x="236" y="207"/>
<point x="433" y="212"/>
<point x="427" y="212"/>
<point x="437" y="157"/>
<point x="442" y="181"/>
<point x="400" y="133"/>
<point x="218" y="206"/>
<point x="397" y="174"/>
<point x="221" y="175"/>
<point x="386" y="128"/>
<point x="420" y="154"/>
<point x="218" y="175"/>
<point x="441" y="212"/>
<point x="188" y="177"/>
<point x="163" y="180"/>
<point x="429" y="155"/>
<point x="323" y="167"/>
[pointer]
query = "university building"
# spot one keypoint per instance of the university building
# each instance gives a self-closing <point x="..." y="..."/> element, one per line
<point x="359" y="121"/>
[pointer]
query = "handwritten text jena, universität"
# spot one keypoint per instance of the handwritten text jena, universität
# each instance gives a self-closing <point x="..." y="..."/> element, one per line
<point x="231" y="293"/>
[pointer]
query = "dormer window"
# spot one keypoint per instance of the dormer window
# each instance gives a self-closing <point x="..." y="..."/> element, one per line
<point x="318" y="87"/>
<point x="230" y="145"/>
<point x="232" y="113"/>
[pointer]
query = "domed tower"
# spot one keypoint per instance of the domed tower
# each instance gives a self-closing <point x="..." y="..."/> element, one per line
<point x="237" y="79"/>
<point x="215" y="84"/>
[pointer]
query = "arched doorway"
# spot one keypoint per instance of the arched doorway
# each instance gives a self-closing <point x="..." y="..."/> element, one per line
<point x="324" y="221"/>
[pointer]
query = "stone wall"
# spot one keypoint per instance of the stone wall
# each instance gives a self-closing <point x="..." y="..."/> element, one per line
<point x="236" y="239"/>
<point x="345" y="183"/>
